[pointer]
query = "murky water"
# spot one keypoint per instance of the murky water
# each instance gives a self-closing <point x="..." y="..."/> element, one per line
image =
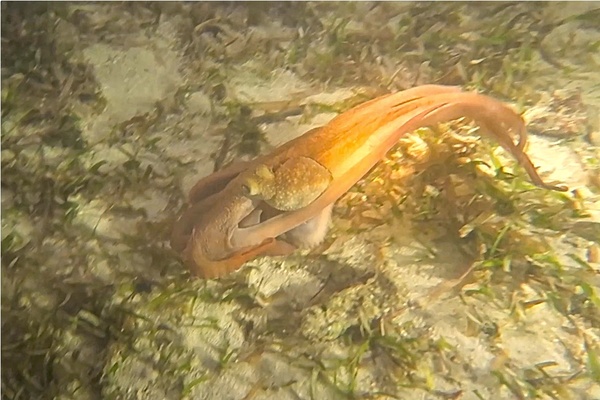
<point x="445" y="273"/>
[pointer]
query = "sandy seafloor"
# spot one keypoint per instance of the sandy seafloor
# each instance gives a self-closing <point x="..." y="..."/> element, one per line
<point x="110" y="113"/>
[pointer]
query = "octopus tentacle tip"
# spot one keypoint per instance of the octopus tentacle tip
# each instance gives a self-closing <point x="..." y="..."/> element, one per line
<point x="558" y="188"/>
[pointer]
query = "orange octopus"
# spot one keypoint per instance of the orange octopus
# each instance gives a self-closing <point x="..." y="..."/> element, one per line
<point x="283" y="200"/>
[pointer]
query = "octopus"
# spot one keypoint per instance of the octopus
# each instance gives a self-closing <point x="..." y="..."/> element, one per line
<point x="282" y="201"/>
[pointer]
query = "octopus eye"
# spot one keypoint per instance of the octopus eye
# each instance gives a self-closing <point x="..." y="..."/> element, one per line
<point x="264" y="172"/>
<point x="249" y="188"/>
